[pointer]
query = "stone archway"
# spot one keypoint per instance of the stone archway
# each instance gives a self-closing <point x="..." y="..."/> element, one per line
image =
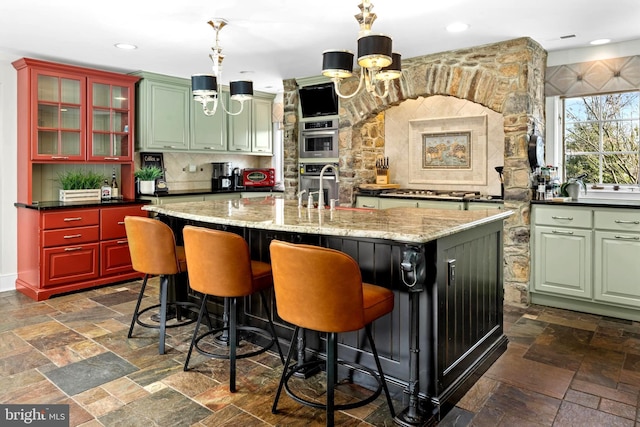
<point x="507" y="77"/>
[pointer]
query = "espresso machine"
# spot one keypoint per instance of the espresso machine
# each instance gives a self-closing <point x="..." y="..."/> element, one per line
<point x="221" y="178"/>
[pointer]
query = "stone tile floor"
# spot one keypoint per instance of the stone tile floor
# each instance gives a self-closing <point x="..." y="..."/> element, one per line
<point x="562" y="368"/>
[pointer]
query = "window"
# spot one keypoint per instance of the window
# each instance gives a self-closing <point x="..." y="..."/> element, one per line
<point x="601" y="137"/>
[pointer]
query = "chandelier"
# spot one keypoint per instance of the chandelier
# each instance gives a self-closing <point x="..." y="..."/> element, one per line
<point x="205" y="87"/>
<point x="375" y="57"/>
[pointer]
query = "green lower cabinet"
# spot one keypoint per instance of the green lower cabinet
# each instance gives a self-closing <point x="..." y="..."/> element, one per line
<point x="395" y="203"/>
<point x="617" y="267"/>
<point x="562" y="261"/>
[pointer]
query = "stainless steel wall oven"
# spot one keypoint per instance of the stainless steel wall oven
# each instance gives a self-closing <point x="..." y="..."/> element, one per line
<point x="318" y="139"/>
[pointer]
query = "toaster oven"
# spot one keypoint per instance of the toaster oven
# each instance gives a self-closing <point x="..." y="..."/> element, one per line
<point x="258" y="177"/>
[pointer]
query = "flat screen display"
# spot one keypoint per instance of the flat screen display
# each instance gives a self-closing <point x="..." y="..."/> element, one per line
<point x="318" y="100"/>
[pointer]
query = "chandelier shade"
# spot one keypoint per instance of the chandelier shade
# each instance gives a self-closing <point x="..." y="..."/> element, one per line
<point x="204" y="84"/>
<point x="337" y="63"/>
<point x="374" y="51"/>
<point x="393" y="70"/>
<point x="241" y="90"/>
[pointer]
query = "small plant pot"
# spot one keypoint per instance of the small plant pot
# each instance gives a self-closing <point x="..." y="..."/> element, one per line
<point x="147" y="187"/>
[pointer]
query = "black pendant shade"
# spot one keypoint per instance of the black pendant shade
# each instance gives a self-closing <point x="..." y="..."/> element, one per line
<point x="241" y="89"/>
<point x="374" y="51"/>
<point x="392" y="71"/>
<point x="337" y="63"/>
<point x="203" y="84"/>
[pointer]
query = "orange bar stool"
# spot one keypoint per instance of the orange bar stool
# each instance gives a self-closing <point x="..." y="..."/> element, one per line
<point x="153" y="251"/>
<point x="220" y="265"/>
<point x="321" y="289"/>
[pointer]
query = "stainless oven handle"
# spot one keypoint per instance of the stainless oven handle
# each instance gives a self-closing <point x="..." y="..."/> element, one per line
<point x="308" y="133"/>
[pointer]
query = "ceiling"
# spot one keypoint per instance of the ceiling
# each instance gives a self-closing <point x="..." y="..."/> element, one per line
<point x="270" y="40"/>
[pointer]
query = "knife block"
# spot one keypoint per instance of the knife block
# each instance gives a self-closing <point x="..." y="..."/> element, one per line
<point x="382" y="176"/>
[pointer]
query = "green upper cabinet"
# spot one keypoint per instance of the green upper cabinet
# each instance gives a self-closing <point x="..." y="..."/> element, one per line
<point x="163" y="113"/>
<point x="262" y="141"/>
<point x="170" y="120"/>
<point x="240" y="127"/>
<point x="208" y="133"/>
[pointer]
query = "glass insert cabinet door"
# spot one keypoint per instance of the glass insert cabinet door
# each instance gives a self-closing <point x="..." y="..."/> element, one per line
<point x="109" y="122"/>
<point x="59" y="118"/>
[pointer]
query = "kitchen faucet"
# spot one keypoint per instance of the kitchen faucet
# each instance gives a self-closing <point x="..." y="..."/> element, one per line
<point x="320" y="191"/>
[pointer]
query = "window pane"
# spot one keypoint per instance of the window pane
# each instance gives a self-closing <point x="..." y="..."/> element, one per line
<point x="47" y="88"/>
<point x="620" y="169"/>
<point x="101" y="95"/>
<point x="583" y="164"/>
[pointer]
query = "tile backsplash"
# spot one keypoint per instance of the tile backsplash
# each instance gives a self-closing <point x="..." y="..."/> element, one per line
<point x="178" y="176"/>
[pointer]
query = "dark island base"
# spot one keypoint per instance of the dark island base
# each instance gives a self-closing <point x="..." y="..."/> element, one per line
<point x="446" y="328"/>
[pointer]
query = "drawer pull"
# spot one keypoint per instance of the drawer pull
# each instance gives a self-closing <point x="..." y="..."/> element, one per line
<point x="619" y="221"/>
<point x="78" y="218"/>
<point x="73" y="236"/>
<point x="121" y="242"/>
<point x="368" y="206"/>
<point x="628" y="237"/>
<point x="120" y="222"/>
<point x="562" y="232"/>
<point x="60" y="157"/>
<point x="72" y="249"/>
<point x="112" y="158"/>
<point x="568" y="218"/>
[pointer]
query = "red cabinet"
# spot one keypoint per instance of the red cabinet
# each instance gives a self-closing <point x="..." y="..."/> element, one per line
<point x="63" y="250"/>
<point x="73" y="115"/>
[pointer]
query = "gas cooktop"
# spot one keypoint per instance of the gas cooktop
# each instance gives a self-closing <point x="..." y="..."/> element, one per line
<point x="431" y="194"/>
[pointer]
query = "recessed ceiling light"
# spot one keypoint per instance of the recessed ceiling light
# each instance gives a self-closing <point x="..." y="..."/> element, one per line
<point x="125" y="46"/>
<point x="600" y="41"/>
<point x="457" y="27"/>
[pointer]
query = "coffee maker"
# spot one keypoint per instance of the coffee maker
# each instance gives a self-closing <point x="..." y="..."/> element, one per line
<point x="221" y="179"/>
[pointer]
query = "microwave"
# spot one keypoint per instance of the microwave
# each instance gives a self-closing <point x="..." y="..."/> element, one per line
<point x="318" y="139"/>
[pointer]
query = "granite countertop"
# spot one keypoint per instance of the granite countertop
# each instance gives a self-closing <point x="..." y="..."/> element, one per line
<point x="197" y="192"/>
<point x="416" y="225"/>
<point x="594" y="203"/>
<point x="54" y="204"/>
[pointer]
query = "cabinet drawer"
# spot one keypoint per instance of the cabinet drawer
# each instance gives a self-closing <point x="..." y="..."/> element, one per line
<point x="70" y="218"/>
<point x="70" y="236"/>
<point x="565" y="217"/>
<point x="112" y="221"/>
<point x="618" y="219"/>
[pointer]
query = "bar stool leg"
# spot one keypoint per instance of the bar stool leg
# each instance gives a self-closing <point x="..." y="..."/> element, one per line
<point x="331" y="376"/>
<point x="164" y="282"/>
<point x="271" y="326"/>
<point x="285" y="368"/>
<point x="232" y="342"/>
<point x="135" y="312"/>
<point x="203" y="309"/>
<point x="382" y="379"/>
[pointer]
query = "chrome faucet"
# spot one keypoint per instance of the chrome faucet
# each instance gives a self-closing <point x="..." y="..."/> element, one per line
<point x="300" y="193"/>
<point x="321" y="191"/>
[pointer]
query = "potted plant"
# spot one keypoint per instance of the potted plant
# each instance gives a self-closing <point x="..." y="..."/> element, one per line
<point x="80" y="185"/>
<point x="146" y="177"/>
<point x="571" y="188"/>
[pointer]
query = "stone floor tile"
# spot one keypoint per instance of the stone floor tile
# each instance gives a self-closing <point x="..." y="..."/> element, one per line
<point x="571" y="414"/>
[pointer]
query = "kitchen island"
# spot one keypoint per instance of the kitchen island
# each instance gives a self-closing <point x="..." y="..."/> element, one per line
<point x="445" y="268"/>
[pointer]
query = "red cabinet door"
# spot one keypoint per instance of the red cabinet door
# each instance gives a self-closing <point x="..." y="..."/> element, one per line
<point x="66" y="264"/>
<point x="115" y="257"/>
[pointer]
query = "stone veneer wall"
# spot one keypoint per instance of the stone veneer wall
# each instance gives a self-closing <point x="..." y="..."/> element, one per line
<point x="507" y="77"/>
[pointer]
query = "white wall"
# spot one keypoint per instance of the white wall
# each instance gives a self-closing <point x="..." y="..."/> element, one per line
<point x="8" y="172"/>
